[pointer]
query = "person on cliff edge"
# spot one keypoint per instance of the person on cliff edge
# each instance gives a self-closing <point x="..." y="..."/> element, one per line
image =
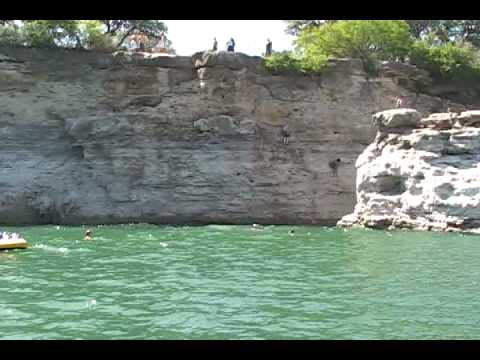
<point x="268" y="49"/>
<point x="215" y="44"/>
<point x="231" y="45"/>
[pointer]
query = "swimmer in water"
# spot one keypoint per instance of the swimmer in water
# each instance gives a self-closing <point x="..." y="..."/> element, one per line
<point x="291" y="232"/>
<point x="88" y="235"/>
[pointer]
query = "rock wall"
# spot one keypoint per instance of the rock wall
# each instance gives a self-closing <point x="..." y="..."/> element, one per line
<point x="420" y="173"/>
<point x="99" y="138"/>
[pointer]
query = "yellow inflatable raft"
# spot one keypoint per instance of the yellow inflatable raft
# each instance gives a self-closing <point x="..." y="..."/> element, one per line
<point x="18" y="243"/>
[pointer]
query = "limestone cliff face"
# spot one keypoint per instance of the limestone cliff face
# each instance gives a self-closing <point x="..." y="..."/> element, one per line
<point x="420" y="173"/>
<point x="98" y="138"/>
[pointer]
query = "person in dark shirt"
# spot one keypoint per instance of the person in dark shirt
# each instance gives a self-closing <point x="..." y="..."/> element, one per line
<point x="334" y="164"/>
<point x="268" y="50"/>
<point x="231" y="45"/>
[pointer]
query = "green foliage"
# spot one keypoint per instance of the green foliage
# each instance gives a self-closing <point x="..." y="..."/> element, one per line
<point x="445" y="31"/>
<point x="10" y="35"/>
<point x="289" y="61"/>
<point x="470" y="32"/>
<point x="419" y="27"/>
<point x="93" y="36"/>
<point x="282" y="61"/>
<point x="368" y="40"/>
<point x="90" y="34"/>
<point x="123" y="28"/>
<point x="149" y="27"/>
<point x="51" y="33"/>
<point x="295" y="27"/>
<point x="381" y="39"/>
<point x="450" y="61"/>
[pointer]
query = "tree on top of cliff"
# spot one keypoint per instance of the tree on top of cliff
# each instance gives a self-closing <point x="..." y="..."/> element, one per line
<point x="368" y="40"/>
<point x="124" y="28"/>
<point x="444" y="30"/>
<point x="417" y="27"/>
<point x="90" y="34"/>
<point x="10" y="34"/>
<point x="447" y="49"/>
<point x="295" y="27"/>
<point x="447" y="61"/>
<point x="51" y="33"/>
<point x="450" y="31"/>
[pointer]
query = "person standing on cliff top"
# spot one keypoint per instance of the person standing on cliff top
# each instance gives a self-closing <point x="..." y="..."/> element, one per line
<point x="215" y="44"/>
<point x="231" y="45"/>
<point x="268" y="50"/>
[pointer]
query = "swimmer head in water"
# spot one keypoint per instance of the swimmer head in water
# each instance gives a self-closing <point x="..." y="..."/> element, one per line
<point x="88" y="235"/>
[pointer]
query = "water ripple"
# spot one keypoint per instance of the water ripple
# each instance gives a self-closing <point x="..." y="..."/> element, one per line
<point x="239" y="282"/>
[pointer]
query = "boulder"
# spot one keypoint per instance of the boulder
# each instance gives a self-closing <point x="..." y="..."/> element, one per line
<point x="397" y="118"/>
<point x="222" y="124"/>
<point x="232" y="61"/>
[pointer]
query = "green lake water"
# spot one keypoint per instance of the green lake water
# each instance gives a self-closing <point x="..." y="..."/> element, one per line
<point x="234" y="282"/>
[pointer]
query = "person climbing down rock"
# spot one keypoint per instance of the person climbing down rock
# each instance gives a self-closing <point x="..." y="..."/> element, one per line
<point x="268" y="50"/>
<point x="215" y="44"/>
<point x="285" y="135"/>
<point x="400" y="102"/>
<point x="334" y="164"/>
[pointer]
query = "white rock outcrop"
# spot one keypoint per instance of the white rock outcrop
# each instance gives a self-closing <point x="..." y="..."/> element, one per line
<point x="420" y="173"/>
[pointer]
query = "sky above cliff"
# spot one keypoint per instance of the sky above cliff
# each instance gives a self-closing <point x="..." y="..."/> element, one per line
<point x="190" y="36"/>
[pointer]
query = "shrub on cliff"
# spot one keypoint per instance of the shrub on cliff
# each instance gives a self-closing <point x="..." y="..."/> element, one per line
<point x="450" y="61"/>
<point x="291" y="61"/>
<point x="281" y="61"/>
